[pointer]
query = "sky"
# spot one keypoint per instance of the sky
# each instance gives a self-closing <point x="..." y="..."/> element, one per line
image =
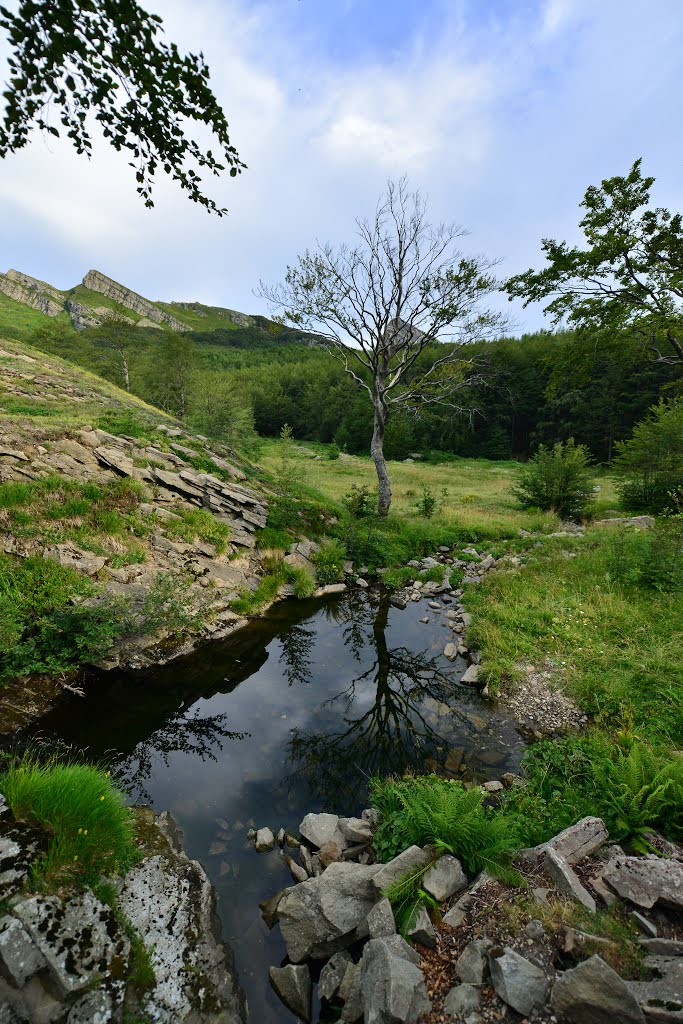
<point x="501" y="112"/>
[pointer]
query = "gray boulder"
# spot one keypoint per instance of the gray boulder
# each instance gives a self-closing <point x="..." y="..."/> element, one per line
<point x="472" y="966"/>
<point x="332" y="975"/>
<point x="265" y="840"/>
<point x="325" y="914"/>
<point x="444" y="878"/>
<point x="20" y="959"/>
<point x="518" y="982"/>
<point x="421" y="930"/>
<point x="663" y="992"/>
<point x="392" y="986"/>
<point x="319" y="829"/>
<point x="406" y="863"/>
<point x="381" y="920"/>
<point x="575" y="843"/>
<point x="355" y="830"/>
<point x="566" y="880"/>
<point x="293" y="986"/>
<point x="644" y="880"/>
<point x="593" y="993"/>
<point x="462" y="999"/>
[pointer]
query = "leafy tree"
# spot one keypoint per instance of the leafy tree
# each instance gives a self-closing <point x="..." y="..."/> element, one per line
<point x="104" y="57"/>
<point x="557" y="479"/>
<point x="629" y="277"/>
<point x="115" y="340"/>
<point x="650" y="463"/>
<point x="381" y="303"/>
<point x="218" y="409"/>
<point x="171" y="364"/>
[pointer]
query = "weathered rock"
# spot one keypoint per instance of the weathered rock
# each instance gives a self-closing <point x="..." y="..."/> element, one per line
<point x="319" y="829"/>
<point x="575" y="843"/>
<point x="518" y="982"/>
<point x="392" y="986"/>
<point x="350" y="994"/>
<point x="662" y="947"/>
<point x="323" y="915"/>
<point x="661" y="996"/>
<point x="494" y="786"/>
<point x="471" y="675"/>
<point x="405" y="864"/>
<point x="20" y="958"/>
<point x="330" y="852"/>
<point x="381" y="920"/>
<point x="444" y="878"/>
<point x="265" y="840"/>
<point x="293" y="985"/>
<point x="269" y="907"/>
<point x="355" y="830"/>
<point x="566" y="880"/>
<point x="643" y="924"/>
<point x="462" y="999"/>
<point x="332" y="975"/>
<point x="455" y="917"/>
<point x="592" y="993"/>
<point x="645" y="881"/>
<point x="297" y="871"/>
<point x="74" y="558"/>
<point x="421" y="930"/>
<point x="472" y="965"/>
<point x="451" y="651"/>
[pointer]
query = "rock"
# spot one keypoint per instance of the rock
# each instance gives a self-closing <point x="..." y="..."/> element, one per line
<point x="472" y="965"/>
<point x="454" y="759"/>
<point x="494" y="786"/>
<point x="20" y="958"/>
<point x="643" y="925"/>
<point x="470" y="676"/>
<point x="269" y="907"/>
<point x="330" y="588"/>
<point x="421" y="930"/>
<point x="592" y="993"/>
<point x="392" y="986"/>
<point x="455" y="917"/>
<point x="329" y="853"/>
<point x="355" y="830"/>
<point x="462" y="999"/>
<point x="608" y="897"/>
<point x="332" y="975"/>
<point x="96" y="1007"/>
<point x="405" y="864"/>
<point x="318" y="829"/>
<point x="265" y="840"/>
<point x="444" y="878"/>
<point x="381" y="920"/>
<point x="73" y="558"/>
<point x="298" y="873"/>
<point x="661" y="996"/>
<point x="371" y="815"/>
<point x="323" y="915"/>
<point x="293" y="986"/>
<point x="13" y="453"/>
<point x="575" y="843"/>
<point x="662" y="947"/>
<point x="646" y="881"/>
<point x="518" y="982"/>
<point x="451" y="651"/>
<point x="566" y="880"/>
<point x="535" y="930"/>
<point x="488" y="562"/>
<point x="350" y="994"/>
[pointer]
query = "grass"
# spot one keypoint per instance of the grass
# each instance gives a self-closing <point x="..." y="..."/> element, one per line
<point x="90" y="830"/>
<point x="279" y="573"/>
<point x="199" y="524"/>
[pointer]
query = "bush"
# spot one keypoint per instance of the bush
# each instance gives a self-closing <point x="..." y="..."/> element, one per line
<point x="90" y="828"/>
<point x="427" y="504"/>
<point x="650" y="464"/>
<point x="329" y="561"/>
<point x="651" y="559"/>
<point x="557" y="479"/>
<point x="360" y="502"/>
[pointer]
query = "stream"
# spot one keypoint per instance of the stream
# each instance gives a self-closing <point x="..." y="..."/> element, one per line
<point x="291" y="714"/>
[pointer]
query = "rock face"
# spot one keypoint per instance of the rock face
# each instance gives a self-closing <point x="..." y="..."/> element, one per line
<point x="67" y="959"/>
<point x="392" y="987"/>
<point x="593" y="993"/>
<point x="32" y="295"/>
<point x="98" y="282"/>
<point x="325" y="914"/>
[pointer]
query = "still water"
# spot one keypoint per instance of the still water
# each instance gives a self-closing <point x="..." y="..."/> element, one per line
<point x="292" y="714"/>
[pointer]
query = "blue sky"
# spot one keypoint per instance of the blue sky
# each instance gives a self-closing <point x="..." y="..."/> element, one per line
<point x="501" y="112"/>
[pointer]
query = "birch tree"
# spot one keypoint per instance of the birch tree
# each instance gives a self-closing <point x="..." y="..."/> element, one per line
<point x="397" y="306"/>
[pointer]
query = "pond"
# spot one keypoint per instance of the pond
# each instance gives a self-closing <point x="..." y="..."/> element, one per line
<point x="292" y="714"/>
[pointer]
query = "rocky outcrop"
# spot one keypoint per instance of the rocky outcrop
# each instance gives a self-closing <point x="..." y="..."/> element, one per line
<point x="98" y="282"/>
<point x="69" y="959"/>
<point x="82" y="316"/>
<point x="30" y="296"/>
<point x="34" y="284"/>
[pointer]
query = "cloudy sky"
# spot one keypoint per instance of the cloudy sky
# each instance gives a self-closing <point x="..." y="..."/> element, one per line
<point x="501" y="111"/>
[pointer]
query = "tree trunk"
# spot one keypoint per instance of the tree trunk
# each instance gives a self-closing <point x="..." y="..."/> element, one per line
<point x="377" y="452"/>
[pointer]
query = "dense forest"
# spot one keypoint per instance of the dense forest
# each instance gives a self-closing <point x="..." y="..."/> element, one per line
<point x="526" y="391"/>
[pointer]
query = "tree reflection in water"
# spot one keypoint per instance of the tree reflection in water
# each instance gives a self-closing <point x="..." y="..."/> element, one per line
<point x="386" y="723"/>
<point x="181" y="733"/>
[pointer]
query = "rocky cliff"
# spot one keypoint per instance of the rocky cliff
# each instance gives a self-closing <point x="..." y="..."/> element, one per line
<point x="98" y="282"/>
<point x="29" y="295"/>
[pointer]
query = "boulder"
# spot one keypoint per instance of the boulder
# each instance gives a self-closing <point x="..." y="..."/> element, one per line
<point x="470" y="676"/>
<point x="392" y="986"/>
<point x="381" y="920"/>
<point x="592" y="993"/>
<point x="663" y="992"/>
<point x="332" y="975"/>
<point x="566" y="880"/>
<point x="645" y="881"/>
<point x="293" y="985"/>
<point x="451" y="651"/>
<point x="350" y="995"/>
<point x="325" y="914"/>
<point x="355" y="830"/>
<point x="518" y="982"/>
<point x="265" y="840"/>
<point x="472" y="965"/>
<point x="20" y="958"/>
<point x="319" y="829"/>
<point x="421" y="930"/>
<point x="444" y="878"/>
<point x="462" y="999"/>
<point x="575" y="843"/>
<point x="406" y="863"/>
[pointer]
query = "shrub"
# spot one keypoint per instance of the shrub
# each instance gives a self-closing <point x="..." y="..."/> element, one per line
<point x="651" y="559"/>
<point x="428" y="502"/>
<point x="557" y="479"/>
<point x="360" y="502"/>
<point x="90" y="829"/>
<point x="333" y="452"/>
<point x="329" y="561"/>
<point x="650" y="463"/>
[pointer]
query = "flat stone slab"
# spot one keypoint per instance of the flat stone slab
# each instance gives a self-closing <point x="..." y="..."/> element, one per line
<point x="644" y="880"/>
<point x="566" y="880"/>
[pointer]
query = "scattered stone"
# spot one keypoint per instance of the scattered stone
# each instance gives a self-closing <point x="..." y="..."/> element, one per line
<point x="608" y="897"/>
<point x="381" y="920"/>
<point x="265" y="840"/>
<point x="280" y="838"/>
<point x="566" y="880"/>
<point x="577" y="842"/>
<point x="422" y="931"/>
<point x="451" y="651"/>
<point x="392" y="986"/>
<point x="406" y="863"/>
<point x="518" y="982"/>
<point x="662" y="947"/>
<point x="592" y="993"/>
<point x="444" y="878"/>
<point x="269" y="907"/>
<point x="20" y="958"/>
<point x="329" y="853"/>
<point x="455" y="917"/>
<point x="645" y="881"/>
<point x="332" y="975"/>
<point x="355" y="830"/>
<point x="472" y="966"/>
<point x="297" y="871"/>
<point x="470" y="676"/>
<point x="661" y="996"/>
<point x="293" y="985"/>
<point x="318" y="829"/>
<point x="643" y="925"/>
<point x="535" y="930"/>
<point x="462" y="999"/>
<point x="493" y="787"/>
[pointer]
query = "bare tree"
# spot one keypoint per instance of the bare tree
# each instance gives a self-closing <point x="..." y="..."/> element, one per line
<point x="398" y="307"/>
